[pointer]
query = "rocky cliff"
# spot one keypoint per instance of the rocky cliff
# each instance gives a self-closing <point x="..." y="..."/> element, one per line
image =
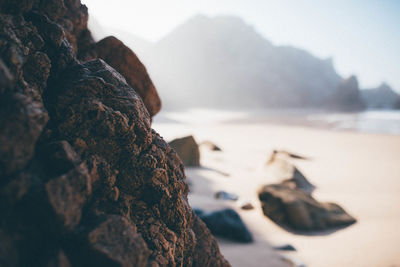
<point x="84" y="180"/>
<point x="222" y="62"/>
<point x="347" y="96"/>
<point x="381" y="97"/>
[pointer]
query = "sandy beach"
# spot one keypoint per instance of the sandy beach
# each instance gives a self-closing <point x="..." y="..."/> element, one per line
<point x="359" y="171"/>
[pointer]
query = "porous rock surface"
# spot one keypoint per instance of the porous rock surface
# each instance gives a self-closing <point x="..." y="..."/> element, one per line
<point x="84" y="180"/>
<point x="121" y="58"/>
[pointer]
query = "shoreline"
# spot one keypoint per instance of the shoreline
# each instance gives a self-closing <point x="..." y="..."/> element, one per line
<point x="369" y="121"/>
<point x="358" y="171"/>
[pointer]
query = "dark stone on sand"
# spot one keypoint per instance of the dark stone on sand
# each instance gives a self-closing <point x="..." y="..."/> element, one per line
<point x="227" y="223"/>
<point x="226" y="196"/>
<point x="286" y="247"/>
<point x="293" y="208"/>
<point x="215" y="148"/>
<point x="187" y="150"/>
<point x="288" y="154"/>
<point x="211" y="146"/>
<point x="247" y="206"/>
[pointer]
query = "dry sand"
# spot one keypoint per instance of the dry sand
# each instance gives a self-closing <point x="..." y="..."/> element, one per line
<point x="359" y="171"/>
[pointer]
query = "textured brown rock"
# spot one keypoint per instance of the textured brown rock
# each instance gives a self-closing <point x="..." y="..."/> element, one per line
<point x="23" y="120"/>
<point x="67" y="195"/>
<point x="297" y="210"/>
<point x="187" y="149"/>
<point x="60" y="157"/>
<point x="84" y="180"/>
<point x="124" y="60"/>
<point x="205" y="251"/>
<point x="118" y="243"/>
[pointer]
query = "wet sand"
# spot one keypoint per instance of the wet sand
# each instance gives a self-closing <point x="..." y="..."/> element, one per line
<point x="359" y="171"/>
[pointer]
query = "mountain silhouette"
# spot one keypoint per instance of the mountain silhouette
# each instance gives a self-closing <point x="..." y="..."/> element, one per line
<point x="381" y="97"/>
<point x="223" y="62"/>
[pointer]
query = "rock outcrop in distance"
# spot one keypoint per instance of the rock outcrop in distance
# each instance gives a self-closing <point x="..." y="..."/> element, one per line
<point x="347" y="96"/>
<point x="223" y="62"/>
<point x="381" y="97"/>
<point x="84" y="180"/>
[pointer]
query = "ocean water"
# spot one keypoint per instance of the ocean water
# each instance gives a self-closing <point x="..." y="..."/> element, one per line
<point x="370" y="121"/>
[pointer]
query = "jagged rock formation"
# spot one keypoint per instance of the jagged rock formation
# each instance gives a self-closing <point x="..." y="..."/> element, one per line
<point x="347" y="96"/>
<point x="381" y="97"/>
<point x="121" y="58"/>
<point x="243" y="69"/>
<point x="397" y="104"/>
<point x="84" y="180"/>
<point x="222" y="62"/>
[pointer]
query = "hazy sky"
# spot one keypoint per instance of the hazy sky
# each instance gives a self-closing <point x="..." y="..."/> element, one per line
<point x="362" y="36"/>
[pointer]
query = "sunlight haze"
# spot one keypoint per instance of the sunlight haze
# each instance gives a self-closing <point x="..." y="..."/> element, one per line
<point x="361" y="36"/>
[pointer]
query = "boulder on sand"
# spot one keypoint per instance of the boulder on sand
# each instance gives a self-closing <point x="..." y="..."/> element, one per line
<point x="187" y="149"/>
<point x="226" y="223"/>
<point x="286" y="247"/>
<point x="295" y="209"/>
<point x="247" y="206"/>
<point x="226" y="196"/>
